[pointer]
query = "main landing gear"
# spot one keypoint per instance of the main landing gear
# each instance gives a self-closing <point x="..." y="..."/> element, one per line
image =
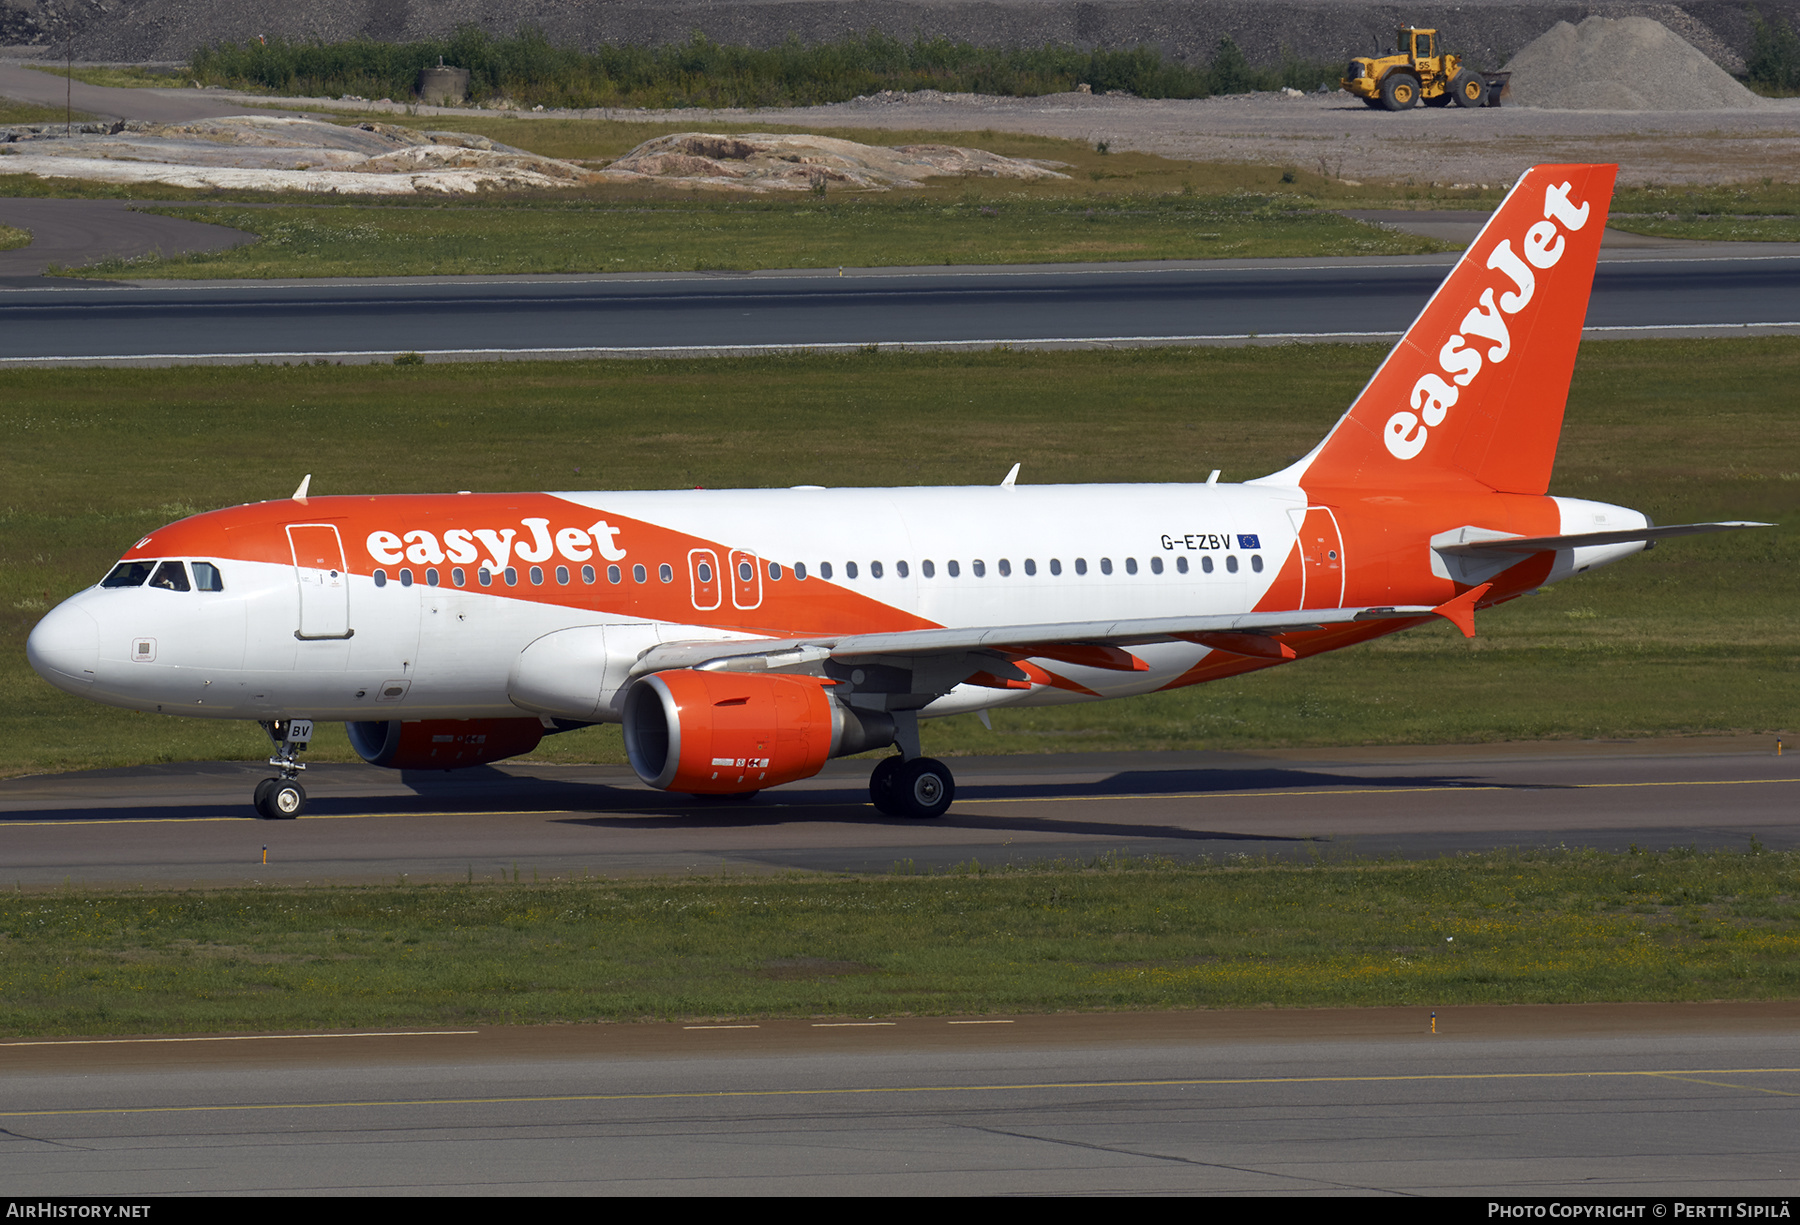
<point x="283" y="798"/>
<point x="922" y="787"/>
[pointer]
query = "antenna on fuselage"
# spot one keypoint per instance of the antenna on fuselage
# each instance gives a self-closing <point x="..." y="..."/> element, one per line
<point x="1214" y="478"/>
<point x="1011" y="477"/>
<point x="305" y="483"/>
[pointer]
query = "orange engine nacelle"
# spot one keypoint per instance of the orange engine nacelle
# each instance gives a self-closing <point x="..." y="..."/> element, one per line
<point x="443" y="744"/>
<point x="719" y="733"/>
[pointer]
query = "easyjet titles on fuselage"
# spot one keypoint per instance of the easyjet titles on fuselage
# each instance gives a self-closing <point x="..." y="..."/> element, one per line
<point x="464" y="545"/>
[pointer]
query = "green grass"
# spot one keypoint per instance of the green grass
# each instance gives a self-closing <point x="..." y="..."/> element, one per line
<point x="981" y="227"/>
<point x="1542" y="927"/>
<point x="11" y="238"/>
<point x="526" y="69"/>
<point x="120" y="76"/>
<point x="1764" y="211"/>
<point x="12" y="111"/>
<point x="1697" y="636"/>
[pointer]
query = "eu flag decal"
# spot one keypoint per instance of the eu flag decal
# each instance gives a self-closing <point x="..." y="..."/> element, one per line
<point x="1249" y="542"/>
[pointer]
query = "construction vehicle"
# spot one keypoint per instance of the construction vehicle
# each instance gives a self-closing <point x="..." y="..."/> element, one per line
<point x="1416" y="73"/>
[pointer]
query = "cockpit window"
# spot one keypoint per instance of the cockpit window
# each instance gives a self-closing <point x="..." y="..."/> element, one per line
<point x="171" y="576"/>
<point x="128" y="574"/>
<point x="207" y="577"/>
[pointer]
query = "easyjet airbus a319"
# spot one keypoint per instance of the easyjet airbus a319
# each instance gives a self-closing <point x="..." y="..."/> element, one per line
<point x="743" y="638"/>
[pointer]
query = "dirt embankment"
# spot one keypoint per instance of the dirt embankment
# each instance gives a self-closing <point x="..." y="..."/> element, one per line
<point x="1188" y="30"/>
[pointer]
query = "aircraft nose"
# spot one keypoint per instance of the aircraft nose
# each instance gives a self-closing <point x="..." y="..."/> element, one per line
<point x="64" y="648"/>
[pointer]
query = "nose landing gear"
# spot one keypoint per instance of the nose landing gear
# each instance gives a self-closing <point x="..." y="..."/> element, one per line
<point x="283" y="798"/>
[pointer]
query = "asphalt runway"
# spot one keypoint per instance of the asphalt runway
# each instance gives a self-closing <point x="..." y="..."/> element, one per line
<point x="632" y="314"/>
<point x="1586" y="1101"/>
<point x="193" y="824"/>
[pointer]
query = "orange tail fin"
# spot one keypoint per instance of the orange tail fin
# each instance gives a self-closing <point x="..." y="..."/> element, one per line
<point x="1476" y="387"/>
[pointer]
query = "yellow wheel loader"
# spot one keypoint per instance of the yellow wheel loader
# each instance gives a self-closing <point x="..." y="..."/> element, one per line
<point x="1417" y="73"/>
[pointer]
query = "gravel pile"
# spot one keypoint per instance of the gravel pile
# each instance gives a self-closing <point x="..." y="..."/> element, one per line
<point x="1621" y="64"/>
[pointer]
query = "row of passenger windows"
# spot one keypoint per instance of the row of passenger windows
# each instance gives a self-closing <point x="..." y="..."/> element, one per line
<point x="745" y="572"/>
<point x="1004" y="567"/>
<point x="168" y="575"/>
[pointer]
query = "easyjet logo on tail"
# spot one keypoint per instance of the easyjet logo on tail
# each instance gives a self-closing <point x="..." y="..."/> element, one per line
<point x="1461" y="359"/>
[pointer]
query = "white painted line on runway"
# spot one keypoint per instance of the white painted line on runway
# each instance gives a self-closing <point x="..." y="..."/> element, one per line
<point x="838" y="346"/>
<point x="852" y="1024"/>
<point x="899" y="273"/>
<point x="402" y="1033"/>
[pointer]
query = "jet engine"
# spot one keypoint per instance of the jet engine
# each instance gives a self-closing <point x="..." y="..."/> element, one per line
<point x="443" y="744"/>
<point x="719" y="733"/>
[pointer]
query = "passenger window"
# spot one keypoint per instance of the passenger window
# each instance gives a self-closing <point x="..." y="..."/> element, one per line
<point x="874" y="569"/>
<point x="170" y="576"/>
<point x="431" y="577"/>
<point x="666" y="572"/>
<point x="849" y="569"/>
<point x="1181" y="565"/>
<point x="406" y="576"/>
<point x="1005" y="568"/>
<point x="511" y="575"/>
<point x="1131" y="565"/>
<point x="825" y="570"/>
<point x="955" y="568"/>
<point x="775" y="571"/>
<point x="746" y="572"/>
<point x="639" y="574"/>
<point x="1081" y="565"/>
<point x="1156" y="565"/>
<point x="1055" y="566"/>
<point x="614" y="575"/>
<point x="927" y="569"/>
<point x="1106" y="565"/>
<point x="587" y="575"/>
<point x="537" y="576"/>
<point x="800" y="571"/>
<point x="900" y="569"/>
<point x="704" y="570"/>
<point x="562" y="575"/>
<point x="484" y="576"/>
<point x="1206" y="565"/>
<point x="381" y="576"/>
<point x="1256" y="562"/>
<point x="128" y="574"/>
<point x="207" y="577"/>
<point x="1231" y="563"/>
<point x="1030" y="566"/>
<point x="459" y="576"/>
<point x="978" y="568"/>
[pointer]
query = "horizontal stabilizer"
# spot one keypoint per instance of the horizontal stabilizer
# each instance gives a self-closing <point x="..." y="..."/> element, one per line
<point x="1539" y="544"/>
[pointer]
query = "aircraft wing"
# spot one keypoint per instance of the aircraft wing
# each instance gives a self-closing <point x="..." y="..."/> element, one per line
<point x="1054" y="640"/>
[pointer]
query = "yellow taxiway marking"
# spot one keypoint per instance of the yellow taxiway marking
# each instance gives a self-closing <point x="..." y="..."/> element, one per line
<point x="1723" y="1084"/>
<point x="398" y="1033"/>
<point x="720" y="1094"/>
<point x="1297" y="792"/>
